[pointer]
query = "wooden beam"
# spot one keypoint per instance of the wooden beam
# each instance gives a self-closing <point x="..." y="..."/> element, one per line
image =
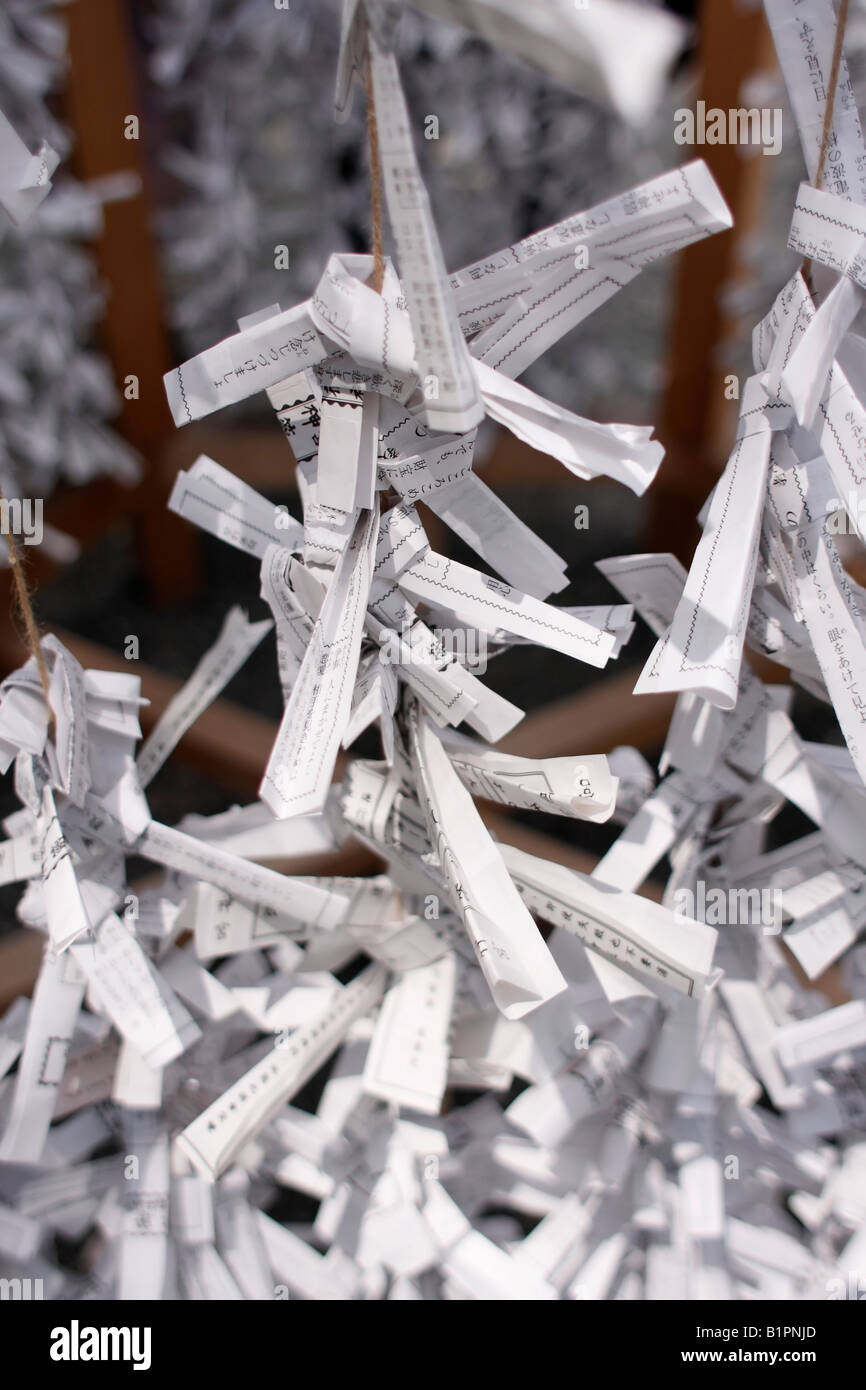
<point x="259" y="454"/>
<point x="696" y="422"/>
<point x="594" y="720"/>
<point x="101" y="94"/>
<point x="101" y="98"/>
<point x="20" y="957"/>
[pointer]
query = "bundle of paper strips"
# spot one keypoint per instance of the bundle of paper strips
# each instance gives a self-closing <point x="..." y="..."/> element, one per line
<point x="647" y="1101"/>
<point x="258" y="178"/>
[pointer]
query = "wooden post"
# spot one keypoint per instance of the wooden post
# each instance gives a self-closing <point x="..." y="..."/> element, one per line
<point x="696" y="422"/>
<point x="103" y="104"/>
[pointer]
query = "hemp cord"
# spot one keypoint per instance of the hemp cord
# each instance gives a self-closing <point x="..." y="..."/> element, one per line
<point x="25" y="607"/>
<point x="829" y="106"/>
<point x="375" y="179"/>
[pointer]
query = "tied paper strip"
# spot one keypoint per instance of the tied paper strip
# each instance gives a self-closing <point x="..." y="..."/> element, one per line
<point x="702" y="649"/>
<point x="514" y="959"/>
<point x="830" y="230"/>
<point x="213" y="1140"/>
<point x="450" y="393"/>
<point x="299" y="769"/>
<point x="25" y="178"/>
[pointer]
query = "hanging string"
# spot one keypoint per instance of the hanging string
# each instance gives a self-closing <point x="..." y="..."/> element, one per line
<point x="375" y="179"/>
<point x="829" y="106"/>
<point x="841" y="22"/>
<point x="25" y="608"/>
